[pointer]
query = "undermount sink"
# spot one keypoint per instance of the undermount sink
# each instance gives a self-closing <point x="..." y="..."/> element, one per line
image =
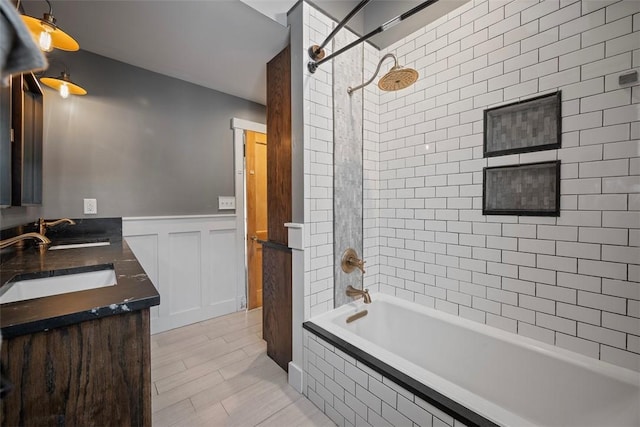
<point x="57" y="282"/>
<point x="78" y="245"/>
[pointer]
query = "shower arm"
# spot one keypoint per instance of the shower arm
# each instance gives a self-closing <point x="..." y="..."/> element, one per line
<point x="350" y="89"/>
<point x="316" y="62"/>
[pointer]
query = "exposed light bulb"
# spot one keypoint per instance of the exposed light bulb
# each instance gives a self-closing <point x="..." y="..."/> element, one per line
<point x="64" y="90"/>
<point x="45" y="41"/>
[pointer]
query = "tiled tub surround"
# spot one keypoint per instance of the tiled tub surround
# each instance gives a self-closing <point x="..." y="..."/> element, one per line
<point x="347" y="165"/>
<point x="316" y="100"/>
<point x="454" y="369"/>
<point x="571" y="281"/>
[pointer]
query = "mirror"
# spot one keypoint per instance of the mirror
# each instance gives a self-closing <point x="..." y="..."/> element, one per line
<point x="21" y="137"/>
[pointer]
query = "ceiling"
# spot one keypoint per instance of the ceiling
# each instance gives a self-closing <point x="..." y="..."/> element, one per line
<point x="219" y="44"/>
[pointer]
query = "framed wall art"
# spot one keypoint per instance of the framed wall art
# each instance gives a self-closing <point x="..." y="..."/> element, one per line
<point x="530" y="189"/>
<point x="529" y="125"/>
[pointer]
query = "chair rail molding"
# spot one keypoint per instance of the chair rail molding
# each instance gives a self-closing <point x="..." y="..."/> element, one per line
<point x="187" y="258"/>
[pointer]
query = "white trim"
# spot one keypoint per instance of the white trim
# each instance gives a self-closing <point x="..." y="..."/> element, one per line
<point x="239" y="127"/>
<point x="296" y="243"/>
<point x="170" y="217"/>
<point x="295" y="377"/>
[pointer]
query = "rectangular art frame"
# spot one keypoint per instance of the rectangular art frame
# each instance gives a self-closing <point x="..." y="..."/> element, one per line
<point x="530" y="125"/>
<point x="531" y="189"/>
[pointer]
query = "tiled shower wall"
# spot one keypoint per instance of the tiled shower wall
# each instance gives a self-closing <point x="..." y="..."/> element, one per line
<point x="571" y="281"/>
<point x="319" y="168"/>
<point x="347" y="164"/>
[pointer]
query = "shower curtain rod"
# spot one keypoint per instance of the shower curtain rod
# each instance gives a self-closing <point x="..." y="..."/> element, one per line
<point x="315" y="52"/>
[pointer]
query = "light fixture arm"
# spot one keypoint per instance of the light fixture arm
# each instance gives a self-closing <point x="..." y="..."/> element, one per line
<point x="313" y="65"/>
<point x="350" y="89"/>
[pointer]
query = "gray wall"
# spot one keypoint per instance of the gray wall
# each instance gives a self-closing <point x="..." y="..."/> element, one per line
<point x="141" y="143"/>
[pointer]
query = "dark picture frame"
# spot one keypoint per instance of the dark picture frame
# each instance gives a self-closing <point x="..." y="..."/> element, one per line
<point x="533" y="124"/>
<point x="531" y="189"/>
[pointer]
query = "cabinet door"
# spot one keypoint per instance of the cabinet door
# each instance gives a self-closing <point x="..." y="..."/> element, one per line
<point x="27" y="119"/>
<point x="5" y="145"/>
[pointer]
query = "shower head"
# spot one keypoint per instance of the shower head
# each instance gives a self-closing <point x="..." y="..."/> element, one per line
<point x="396" y="78"/>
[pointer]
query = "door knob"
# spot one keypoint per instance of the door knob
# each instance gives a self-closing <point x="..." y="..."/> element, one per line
<point x="254" y="238"/>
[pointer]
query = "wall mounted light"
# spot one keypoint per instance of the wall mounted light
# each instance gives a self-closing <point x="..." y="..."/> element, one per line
<point x="47" y="35"/>
<point x="63" y="85"/>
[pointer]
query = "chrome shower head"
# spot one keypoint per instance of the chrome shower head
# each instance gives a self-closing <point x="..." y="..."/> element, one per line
<point x="396" y="78"/>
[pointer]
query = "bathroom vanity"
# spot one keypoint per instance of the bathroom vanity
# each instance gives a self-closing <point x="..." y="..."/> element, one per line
<point x="80" y="357"/>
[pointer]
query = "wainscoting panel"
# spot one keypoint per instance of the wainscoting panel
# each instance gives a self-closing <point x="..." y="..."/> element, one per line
<point x="185" y="276"/>
<point x="191" y="260"/>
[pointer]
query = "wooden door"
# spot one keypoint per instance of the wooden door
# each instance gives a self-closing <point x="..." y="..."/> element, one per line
<point x="256" y="163"/>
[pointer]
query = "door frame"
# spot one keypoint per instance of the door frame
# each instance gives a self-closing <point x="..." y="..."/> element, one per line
<point x="239" y="126"/>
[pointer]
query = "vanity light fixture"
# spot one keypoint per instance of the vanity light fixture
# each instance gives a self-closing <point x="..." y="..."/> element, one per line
<point x="47" y="34"/>
<point x="63" y="85"/>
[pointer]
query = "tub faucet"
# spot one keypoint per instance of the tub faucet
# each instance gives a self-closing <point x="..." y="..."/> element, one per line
<point x="13" y="240"/>
<point x="350" y="261"/>
<point x="43" y="225"/>
<point x="353" y="292"/>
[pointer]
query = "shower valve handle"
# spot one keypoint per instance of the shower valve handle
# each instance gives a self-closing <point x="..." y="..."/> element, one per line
<point x="350" y="261"/>
<point x="358" y="263"/>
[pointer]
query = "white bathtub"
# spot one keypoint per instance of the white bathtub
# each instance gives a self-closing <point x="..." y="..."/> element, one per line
<point x="507" y="379"/>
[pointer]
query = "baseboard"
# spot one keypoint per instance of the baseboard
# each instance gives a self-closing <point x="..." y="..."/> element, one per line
<point x="295" y="377"/>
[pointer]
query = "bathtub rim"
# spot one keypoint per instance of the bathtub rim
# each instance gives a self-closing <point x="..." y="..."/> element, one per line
<point x="426" y="393"/>
<point x="432" y="396"/>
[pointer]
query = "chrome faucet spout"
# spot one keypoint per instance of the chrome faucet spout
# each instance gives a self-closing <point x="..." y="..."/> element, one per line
<point x="13" y="240"/>
<point x="364" y="293"/>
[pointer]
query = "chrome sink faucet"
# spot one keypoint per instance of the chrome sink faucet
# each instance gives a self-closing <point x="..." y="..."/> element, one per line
<point x="13" y="240"/>
<point x="43" y="225"/>
<point x="353" y="292"/>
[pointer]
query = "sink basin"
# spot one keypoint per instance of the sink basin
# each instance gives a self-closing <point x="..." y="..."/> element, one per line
<point x="58" y="282"/>
<point x="78" y="245"/>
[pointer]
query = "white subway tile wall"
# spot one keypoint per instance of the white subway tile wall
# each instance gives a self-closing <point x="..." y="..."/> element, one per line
<point x="352" y="394"/>
<point x="318" y="170"/>
<point x="571" y="281"/>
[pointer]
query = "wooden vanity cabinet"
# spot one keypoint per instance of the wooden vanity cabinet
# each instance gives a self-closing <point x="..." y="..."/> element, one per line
<point x="93" y="373"/>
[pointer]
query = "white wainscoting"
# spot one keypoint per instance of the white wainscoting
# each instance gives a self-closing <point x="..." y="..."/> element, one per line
<point x="192" y="262"/>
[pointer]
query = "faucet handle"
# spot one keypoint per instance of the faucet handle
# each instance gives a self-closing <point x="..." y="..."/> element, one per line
<point x="42" y="227"/>
<point x="359" y="263"/>
<point x="350" y="261"/>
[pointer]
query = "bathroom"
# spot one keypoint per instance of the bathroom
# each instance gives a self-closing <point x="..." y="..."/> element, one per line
<point x="569" y="281"/>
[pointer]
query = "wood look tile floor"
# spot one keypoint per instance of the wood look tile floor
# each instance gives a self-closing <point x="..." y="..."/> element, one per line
<point x="217" y="373"/>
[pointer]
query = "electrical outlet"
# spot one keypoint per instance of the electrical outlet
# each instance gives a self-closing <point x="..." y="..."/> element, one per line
<point x="90" y="206"/>
<point x="226" y="203"/>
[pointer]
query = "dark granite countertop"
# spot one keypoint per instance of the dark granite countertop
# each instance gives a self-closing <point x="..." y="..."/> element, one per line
<point x="133" y="291"/>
